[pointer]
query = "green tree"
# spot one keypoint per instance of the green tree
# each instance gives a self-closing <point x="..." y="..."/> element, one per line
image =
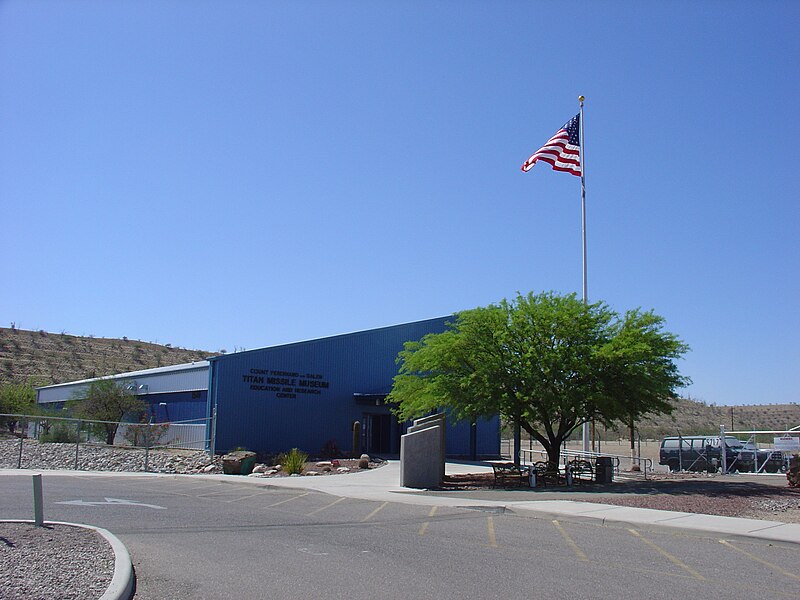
<point x="108" y="401"/>
<point x="639" y="369"/>
<point x="16" y="399"/>
<point x="547" y="362"/>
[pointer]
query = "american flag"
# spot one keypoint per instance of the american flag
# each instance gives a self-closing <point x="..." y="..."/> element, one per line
<point x="563" y="150"/>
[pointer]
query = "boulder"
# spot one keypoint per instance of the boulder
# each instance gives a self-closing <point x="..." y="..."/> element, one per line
<point x="238" y="462"/>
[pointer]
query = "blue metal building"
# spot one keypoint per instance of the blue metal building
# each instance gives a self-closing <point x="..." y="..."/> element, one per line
<point x="309" y="394"/>
<point x="303" y="395"/>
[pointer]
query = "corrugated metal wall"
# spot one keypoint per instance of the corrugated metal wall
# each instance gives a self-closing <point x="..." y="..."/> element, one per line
<point x="302" y="395"/>
<point x="162" y="379"/>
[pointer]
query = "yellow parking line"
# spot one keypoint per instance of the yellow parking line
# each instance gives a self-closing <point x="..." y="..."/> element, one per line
<point x="374" y="512"/>
<point x="772" y="566"/>
<point x="287" y="500"/>
<point x="674" y="560"/>
<point x="492" y="536"/>
<point x="580" y="553"/>
<point x="424" y="527"/>
<point x="313" y="512"/>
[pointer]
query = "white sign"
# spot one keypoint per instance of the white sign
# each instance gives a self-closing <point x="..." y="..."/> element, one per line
<point x="787" y="443"/>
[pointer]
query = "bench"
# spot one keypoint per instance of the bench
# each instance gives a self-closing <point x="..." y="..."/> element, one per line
<point x="509" y="473"/>
<point x="544" y="474"/>
<point x="581" y="470"/>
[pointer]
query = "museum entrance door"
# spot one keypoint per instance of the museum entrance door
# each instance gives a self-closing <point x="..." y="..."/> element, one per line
<point x="378" y="433"/>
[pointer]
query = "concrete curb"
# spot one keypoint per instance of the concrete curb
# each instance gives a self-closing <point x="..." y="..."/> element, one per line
<point x="771" y="531"/>
<point x="121" y="586"/>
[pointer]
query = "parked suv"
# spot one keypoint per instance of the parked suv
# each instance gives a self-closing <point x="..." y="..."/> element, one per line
<point x="770" y="461"/>
<point x="698" y="453"/>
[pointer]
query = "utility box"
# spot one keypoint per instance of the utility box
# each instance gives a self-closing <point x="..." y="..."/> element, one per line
<point x="604" y="469"/>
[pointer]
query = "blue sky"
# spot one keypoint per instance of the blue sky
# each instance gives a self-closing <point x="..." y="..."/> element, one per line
<point x="242" y="174"/>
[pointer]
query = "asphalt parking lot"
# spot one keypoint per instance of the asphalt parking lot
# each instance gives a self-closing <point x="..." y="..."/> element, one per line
<point x="195" y="538"/>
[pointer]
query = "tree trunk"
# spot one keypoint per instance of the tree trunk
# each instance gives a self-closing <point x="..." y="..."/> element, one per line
<point x="554" y="456"/>
<point x="111" y="433"/>
<point x="632" y="435"/>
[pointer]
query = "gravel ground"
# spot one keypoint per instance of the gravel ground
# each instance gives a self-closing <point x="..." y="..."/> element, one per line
<point x="55" y="561"/>
<point x="99" y="457"/>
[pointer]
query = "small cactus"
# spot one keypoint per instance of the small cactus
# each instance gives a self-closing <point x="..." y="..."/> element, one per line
<point x="356" y="438"/>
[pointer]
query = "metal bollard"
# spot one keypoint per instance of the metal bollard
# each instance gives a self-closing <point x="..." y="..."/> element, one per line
<point x="38" y="512"/>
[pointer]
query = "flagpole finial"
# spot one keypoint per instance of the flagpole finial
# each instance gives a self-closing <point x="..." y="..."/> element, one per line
<point x="581" y="98"/>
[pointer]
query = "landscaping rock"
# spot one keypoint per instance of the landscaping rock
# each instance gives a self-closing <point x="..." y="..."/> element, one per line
<point x="238" y="462"/>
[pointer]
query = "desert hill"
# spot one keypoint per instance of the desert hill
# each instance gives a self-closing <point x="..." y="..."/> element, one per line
<point x="45" y="358"/>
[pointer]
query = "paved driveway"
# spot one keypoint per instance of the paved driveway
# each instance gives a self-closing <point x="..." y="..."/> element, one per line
<point x="195" y="538"/>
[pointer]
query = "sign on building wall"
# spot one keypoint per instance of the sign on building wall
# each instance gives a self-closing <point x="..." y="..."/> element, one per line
<point x="285" y="384"/>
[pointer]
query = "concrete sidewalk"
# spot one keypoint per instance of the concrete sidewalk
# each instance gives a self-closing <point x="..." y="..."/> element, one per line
<point x="383" y="484"/>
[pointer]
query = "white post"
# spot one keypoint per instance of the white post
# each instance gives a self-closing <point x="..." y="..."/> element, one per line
<point x="723" y="449"/>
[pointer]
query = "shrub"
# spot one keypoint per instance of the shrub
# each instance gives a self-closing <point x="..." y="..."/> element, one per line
<point x="793" y="474"/>
<point x="294" y="461"/>
<point x="60" y="433"/>
<point x="146" y="435"/>
<point x="331" y="449"/>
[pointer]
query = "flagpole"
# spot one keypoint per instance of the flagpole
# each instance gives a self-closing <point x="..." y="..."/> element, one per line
<point x="583" y="205"/>
<point x="586" y="433"/>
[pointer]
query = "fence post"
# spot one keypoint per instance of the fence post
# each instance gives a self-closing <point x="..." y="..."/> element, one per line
<point x="213" y="441"/>
<point x="19" y="460"/>
<point x="147" y="445"/>
<point x="77" y="443"/>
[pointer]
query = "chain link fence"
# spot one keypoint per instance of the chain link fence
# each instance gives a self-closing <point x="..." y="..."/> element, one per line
<point x="46" y="442"/>
<point x="737" y="451"/>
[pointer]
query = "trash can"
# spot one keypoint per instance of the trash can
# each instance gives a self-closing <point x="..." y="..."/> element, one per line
<point x="604" y="469"/>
